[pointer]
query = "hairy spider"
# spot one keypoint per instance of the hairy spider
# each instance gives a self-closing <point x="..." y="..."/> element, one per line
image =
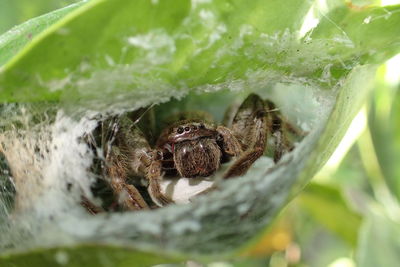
<point x="192" y="146"/>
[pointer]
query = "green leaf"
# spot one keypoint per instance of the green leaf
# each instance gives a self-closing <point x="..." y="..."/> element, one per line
<point x="379" y="243"/>
<point x="327" y="205"/>
<point x="67" y="51"/>
<point x="13" y="12"/>
<point x="74" y="43"/>
<point x="116" y="56"/>
<point x="15" y="39"/>
<point x="385" y="131"/>
<point x="360" y="31"/>
<point x="352" y="95"/>
<point x="85" y="255"/>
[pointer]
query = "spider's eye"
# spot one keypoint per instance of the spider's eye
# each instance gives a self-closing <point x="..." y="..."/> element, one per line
<point x="187" y="128"/>
<point x="180" y="130"/>
<point x="194" y="127"/>
<point x="201" y="126"/>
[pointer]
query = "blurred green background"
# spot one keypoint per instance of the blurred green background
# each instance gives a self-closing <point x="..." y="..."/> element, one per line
<point x="14" y="12"/>
<point x="349" y="215"/>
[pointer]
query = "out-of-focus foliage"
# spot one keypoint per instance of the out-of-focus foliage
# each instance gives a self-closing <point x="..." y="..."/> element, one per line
<point x="86" y="255"/>
<point x="327" y="206"/>
<point x="14" y="12"/>
<point x="379" y="242"/>
<point x="384" y="121"/>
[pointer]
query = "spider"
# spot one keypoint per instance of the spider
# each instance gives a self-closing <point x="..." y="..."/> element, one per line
<point x="191" y="146"/>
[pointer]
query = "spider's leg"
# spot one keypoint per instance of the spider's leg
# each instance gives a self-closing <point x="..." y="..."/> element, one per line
<point x="90" y="206"/>
<point x="279" y="129"/>
<point x="249" y="123"/>
<point x="230" y="145"/>
<point x="117" y="167"/>
<point x="249" y="127"/>
<point x="154" y="176"/>
<point x="243" y="163"/>
<point x="122" y="141"/>
<point x="142" y="160"/>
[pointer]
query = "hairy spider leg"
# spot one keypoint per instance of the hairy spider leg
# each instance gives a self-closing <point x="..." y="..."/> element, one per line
<point x="249" y="126"/>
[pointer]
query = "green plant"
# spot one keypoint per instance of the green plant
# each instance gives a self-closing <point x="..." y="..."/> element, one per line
<point x="102" y="57"/>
